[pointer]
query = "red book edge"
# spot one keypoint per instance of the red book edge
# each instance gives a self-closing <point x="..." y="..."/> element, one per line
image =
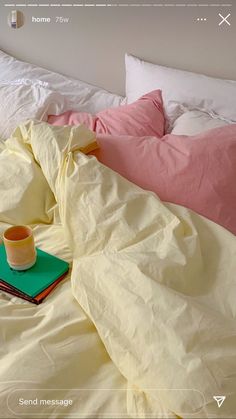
<point x="38" y="298"/>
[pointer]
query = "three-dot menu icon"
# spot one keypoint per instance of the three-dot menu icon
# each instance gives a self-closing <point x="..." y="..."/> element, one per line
<point x="201" y="19"/>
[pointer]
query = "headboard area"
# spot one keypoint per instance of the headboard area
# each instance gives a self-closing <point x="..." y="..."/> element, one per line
<point x="92" y="44"/>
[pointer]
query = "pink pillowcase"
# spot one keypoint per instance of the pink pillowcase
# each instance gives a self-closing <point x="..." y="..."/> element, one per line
<point x="198" y="172"/>
<point x="143" y="117"/>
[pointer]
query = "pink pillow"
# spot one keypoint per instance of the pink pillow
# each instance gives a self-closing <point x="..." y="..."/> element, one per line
<point x="199" y="175"/>
<point x="143" y="117"/>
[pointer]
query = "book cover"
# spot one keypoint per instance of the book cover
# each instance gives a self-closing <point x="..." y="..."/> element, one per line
<point x="35" y="283"/>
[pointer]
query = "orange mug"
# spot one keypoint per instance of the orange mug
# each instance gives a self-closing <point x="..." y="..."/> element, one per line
<point x="20" y="247"/>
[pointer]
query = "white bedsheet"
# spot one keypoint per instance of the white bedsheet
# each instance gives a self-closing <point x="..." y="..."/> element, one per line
<point x="81" y="96"/>
<point x="19" y="102"/>
<point x="195" y="122"/>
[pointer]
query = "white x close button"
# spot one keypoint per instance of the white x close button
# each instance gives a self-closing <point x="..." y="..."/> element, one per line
<point x="224" y="19"/>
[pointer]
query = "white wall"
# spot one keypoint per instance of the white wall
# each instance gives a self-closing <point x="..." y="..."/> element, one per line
<point x="92" y="46"/>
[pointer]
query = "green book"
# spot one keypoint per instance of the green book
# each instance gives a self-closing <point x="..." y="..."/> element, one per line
<point x="35" y="283"/>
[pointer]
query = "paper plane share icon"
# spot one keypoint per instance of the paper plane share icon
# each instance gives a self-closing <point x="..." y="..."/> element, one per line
<point x="219" y="400"/>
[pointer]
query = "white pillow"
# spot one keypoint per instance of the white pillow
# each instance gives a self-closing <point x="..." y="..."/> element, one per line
<point x="80" y="96"/>
<point x="22" y="102"/>
<point x="181" y="90"/>
<point x="195" y="122"/>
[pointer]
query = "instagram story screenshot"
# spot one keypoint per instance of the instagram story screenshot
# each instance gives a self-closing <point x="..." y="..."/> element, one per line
<point x="118" y="209"/>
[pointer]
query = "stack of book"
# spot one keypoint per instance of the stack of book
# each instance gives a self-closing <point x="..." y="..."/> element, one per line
<point x="35" y="283"/>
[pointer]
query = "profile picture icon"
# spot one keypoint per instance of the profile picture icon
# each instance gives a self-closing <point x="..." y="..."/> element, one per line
<point x="15" y="19"/>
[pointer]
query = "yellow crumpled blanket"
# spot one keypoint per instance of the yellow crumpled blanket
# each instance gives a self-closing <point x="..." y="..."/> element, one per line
<point x="158" y="281"/>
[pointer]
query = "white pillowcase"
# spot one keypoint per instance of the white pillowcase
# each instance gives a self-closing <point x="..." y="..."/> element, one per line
<point x="196" y="122"/>
<point x="22" y="102"/>
<point x="181" y="90"/>
<point x="80" y="96"/>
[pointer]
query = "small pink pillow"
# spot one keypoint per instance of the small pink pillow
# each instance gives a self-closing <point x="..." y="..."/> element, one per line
<point x="200" y="175"/>
<point x="143" y="117"/>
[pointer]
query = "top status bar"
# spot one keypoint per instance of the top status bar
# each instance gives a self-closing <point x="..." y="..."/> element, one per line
<point x="115" y="4"/>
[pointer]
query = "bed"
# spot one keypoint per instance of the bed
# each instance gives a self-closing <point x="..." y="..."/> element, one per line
<point x="144" y="323"/>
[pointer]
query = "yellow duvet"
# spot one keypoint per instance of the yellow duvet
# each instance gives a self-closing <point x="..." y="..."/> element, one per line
<point x="145" y="327"/>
